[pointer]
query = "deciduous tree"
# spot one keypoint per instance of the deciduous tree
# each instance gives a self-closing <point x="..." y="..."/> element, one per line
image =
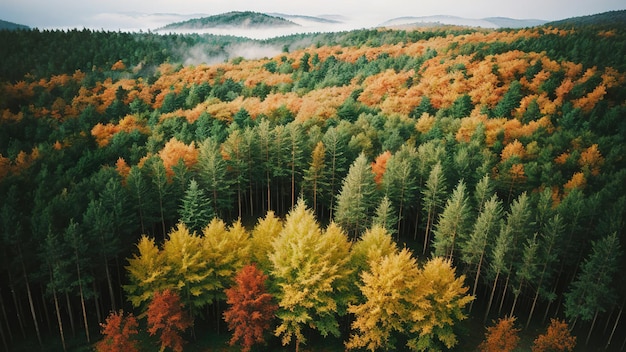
<point x="119" y="333"/>
<point x="251" y="308"/>
<point x="556" y="339"/>
<point x="167" y="319"/>
<point x="502" y="337"/>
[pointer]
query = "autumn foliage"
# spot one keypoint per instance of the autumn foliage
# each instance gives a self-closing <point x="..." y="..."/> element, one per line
<point x="167" y="319"/>
<point x="556" y="339"/>
<point x="502" y="337"/>
<point x="251" y="308"/>
<point x="119" y="333"/>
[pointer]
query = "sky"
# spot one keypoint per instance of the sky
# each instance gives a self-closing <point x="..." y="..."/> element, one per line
<point x="139" y="14"/>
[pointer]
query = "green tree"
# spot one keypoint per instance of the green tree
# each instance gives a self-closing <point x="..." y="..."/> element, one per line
<point x="400" y="180"/>
<point x="385" y="216"/>
<point x="315" y="176"/>
<point x="356" y="200"/>
<point x="196" y="211"/>
<point x="453" y="223"/>
<point x="433" y="196"/>
<point x="212" y="173"/>
<point x="335" y="142"/>
<point x="592" y="291"/>
<point x="310" y="268"/>
<point x="475" y="248"/>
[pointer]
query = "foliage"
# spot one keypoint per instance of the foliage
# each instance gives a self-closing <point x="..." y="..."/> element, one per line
<point x="503" y="336"/>
<point x="251" y="308"/>
<point x="119" y="333"/>
<point x="557" y="338"/>
<point x="167" y="319"/>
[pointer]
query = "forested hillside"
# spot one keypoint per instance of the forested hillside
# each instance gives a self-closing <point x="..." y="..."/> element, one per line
<point x="373" y="189"/>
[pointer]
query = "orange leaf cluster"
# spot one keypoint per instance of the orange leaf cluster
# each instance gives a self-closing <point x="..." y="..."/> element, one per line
<point x="502" y="337"/>
<point x="167" y="318"/>
<point x="104" y="133"/>
<point x="175" y="150"/>
<point x="591" y="159"/>
<point x="514" y="149"/>
<point x="379" y="166"/>
<point x="556" y="339"/>
<point x="119" y="332"/>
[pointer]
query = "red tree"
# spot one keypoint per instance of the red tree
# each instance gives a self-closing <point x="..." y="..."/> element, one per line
<point x="502" y="337"/>
<point x="251" y="308"/>
<point x="166" y="316"/>
<point x="556" y="339"/>
<point x="119" y="333"/>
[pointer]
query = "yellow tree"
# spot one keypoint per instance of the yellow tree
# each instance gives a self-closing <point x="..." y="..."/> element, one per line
<point x="310" y="268"/>
<point x="263" y="234"/>
<point x="390" y="288"/>
<point x="146" y="273"/>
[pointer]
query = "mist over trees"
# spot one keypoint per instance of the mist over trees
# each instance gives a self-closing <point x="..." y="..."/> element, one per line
<point x="140" y="196"/>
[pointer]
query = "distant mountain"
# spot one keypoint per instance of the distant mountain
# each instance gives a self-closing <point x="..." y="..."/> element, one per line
<point x="241" y="20"/>
<point x="307" y="19"/>
<point x="491" y="22"/>
<point x="11" y="25"/>
<point x="605" y="19"/>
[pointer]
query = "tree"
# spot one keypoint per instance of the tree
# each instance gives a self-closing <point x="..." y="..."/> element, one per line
<point x="196" y="211"/>
<point x="592" y="291"/>
<point x="556" y="339"/>
<point x="311" y="270"/>
<point x="167" y="319"/>
<point x="446" y="299"/>
<point x="453" y="223"/>
<point x="251" y="308"/>
<point x="212" y="172"/>
<point x="357" y="197"/>
<point x="119" y="333"/>
<point x="315" y="176"/>
<point x="527" y="271"/>
<point x="502" y="337"/>
<point x="263" y="235"/>
<point x="146" y="273"/>
<point x="375" y="244"/>
<point x="335" y="142"/>
<point x="433" y="195"/>
<point x="400" y="180"/>
<point x="385" y="216"/>
<point x="474" y="248"/>
<point x="389" y="287"/>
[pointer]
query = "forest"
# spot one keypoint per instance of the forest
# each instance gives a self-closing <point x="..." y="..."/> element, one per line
<point x="432" y="189"/>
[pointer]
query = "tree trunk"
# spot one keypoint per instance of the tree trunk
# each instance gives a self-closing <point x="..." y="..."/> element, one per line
<point x="70" y="313"/>
<point x="593" y="323"/>
<point x="82" y="299"/>
<point x="110" y="283"/>
<point x="59" y="321"/>
<point x="45" y="311"/>
<point x="18" y="310"/>
<point x="4" y="339"/>
<point x="619" y="315"/>
<point x="427" y="233"/>
<point x="493" y="292"/>
<point x="30" y="297"/>
<point x="506" y="287"/>
<point x="480" y="262"/>
<point x="519" y="290"/>
<point x="6" y="319"/>
<point x="96" y="302"/>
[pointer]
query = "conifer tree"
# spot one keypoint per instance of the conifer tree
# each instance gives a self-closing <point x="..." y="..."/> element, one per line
<point x="195" y="211"/>
<point x="433" y="195"/>
<point x="453" y="223"/>
<point x="592" y="291"/>
<point x="357" y="198"/>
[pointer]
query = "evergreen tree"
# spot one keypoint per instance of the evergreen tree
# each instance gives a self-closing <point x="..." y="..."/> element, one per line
<point x="356" y="200"/>
<point x="453" y="223"/>
<point x="196" y="211"/>
<point x="433" y="195"/>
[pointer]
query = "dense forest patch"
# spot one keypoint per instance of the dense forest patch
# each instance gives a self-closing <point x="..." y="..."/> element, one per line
<point x="488" y="163"/>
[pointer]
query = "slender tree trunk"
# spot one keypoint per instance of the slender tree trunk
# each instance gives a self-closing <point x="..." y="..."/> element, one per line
<point x="493" y="292"/>
<point x="427" y="234"/>
<point x="480" y="263"/>
<point x="593" y="323"/>
<point x="4" y="339"/>
<point x="109" y="283"/>
<point x="6" y="320"/>
<point x="96" y="302"/>
<point x="619" y="315"/>
<point x="506" y="287"/>
<point x="70" y="313"/>
<point x="519" y="290"/>
<point x="45" y="311"/>
<point x="18" y="310"/>
<point x="82" y="299"/>
<point x="532" y="308"/>
<point x="59" y="321"/>
<point x="30" y="297"/>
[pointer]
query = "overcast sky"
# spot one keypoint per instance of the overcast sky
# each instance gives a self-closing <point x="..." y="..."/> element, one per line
<point x="111" y="14"/>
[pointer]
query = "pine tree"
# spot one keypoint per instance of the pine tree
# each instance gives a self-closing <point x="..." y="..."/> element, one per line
<point x="356" y="200"/>
<point x="196" y="211"/>
<point x="433" y="195"/>
<point x="212" y="172"/>
<point x="592" y="291"/>
<point x="453" y="223"/>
